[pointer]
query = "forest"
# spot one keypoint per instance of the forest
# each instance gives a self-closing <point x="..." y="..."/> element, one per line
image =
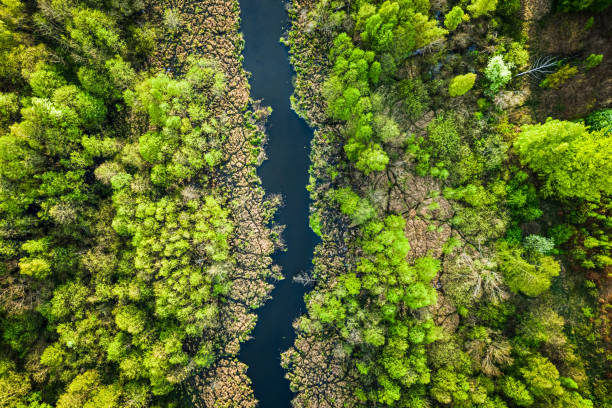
<point x="129" y="269"/>
<point x="462" y="195"/>
<point x="460" y="186"/>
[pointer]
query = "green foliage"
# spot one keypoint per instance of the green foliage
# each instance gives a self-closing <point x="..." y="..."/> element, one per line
<point x="453" y="18"/>
<point x="480" y="8"/>
<point x="386" y="128"/>
<point x="600" y="120"/>
<point x="416" y="97"/>
<point x="508" y="7"/>
<point x="517" y="391"/>
<point x="522" y="197"/>
<point x="516" y="55"/>
<point x="444" y="138"/>
<point x="530" y="274"/>
<point x="115" y="238"/>
<point x="461" y="84"/>
<point x="314" y="222"/>
<point x="541" y="377"/>
<point x="14" y="386"/>
<point x="20" y="331"/>
<point x="592" y="61"/>
<point x="579" y="5"/>
<point x="572" y="161"/>
<point x="95" y="34"/>
<point x="541" y="245"/>
<point x="373" y="158"/>
<point x="478" y="218"/>
<point x="347" y="92"/>
<point x="396" y="26"/>
<point x="388" y="333"/>
<point x="498" y="73"/>
<point x="560" y="77"/>
<point x="496" y="312"/>
<point x="359" y="209"/>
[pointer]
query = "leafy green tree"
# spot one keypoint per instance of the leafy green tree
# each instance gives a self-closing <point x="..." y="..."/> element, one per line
<point x="14" y="386"/>
<point x="359" y="209"/>
<point x="516" y="55"/>
<point x="600" y="120"/>
<point x="461" y="84"/>
<point x="572" y="161"/>
<point x="373" y="158"/>
<point x="20" y="331"/>
<point x="87" y="391"/>
<point x="592" y="61"/>
<point x="541" y="377"/>
<point x="481" y="7"/>
<point x="453" y="18"/>
<point x="398" y="27"/>
<point x="498" y="73"/>
<point x="516" y="391"/>
<point x="531" y="278"/>
<point x="95" y="35"/>
<point x="386" y="128"/>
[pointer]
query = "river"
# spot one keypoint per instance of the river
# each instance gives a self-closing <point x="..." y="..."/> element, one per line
<point x="285" y="172"/>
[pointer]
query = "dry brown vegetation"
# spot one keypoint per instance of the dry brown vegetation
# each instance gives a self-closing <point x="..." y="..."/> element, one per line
<point x="567" y="35"/>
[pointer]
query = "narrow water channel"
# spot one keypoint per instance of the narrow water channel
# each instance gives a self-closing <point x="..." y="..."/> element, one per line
<point x="285" y="172"/>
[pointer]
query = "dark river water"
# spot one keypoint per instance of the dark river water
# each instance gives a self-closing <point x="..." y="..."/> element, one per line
<point x="285" y="172"/>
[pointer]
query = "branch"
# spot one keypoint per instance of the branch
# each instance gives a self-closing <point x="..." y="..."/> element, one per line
<point x="542" y="66"/>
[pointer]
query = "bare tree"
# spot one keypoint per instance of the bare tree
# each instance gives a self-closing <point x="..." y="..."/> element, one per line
<point x="542" y="66"/>
<point x="305" y="278"/>
<point x="490" y="353"/>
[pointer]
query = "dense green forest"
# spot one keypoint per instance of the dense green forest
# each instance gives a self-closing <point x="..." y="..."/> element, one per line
<point x="461" y="187"/>
<point x="128" y="265"/>
<point x="462" y="195"/>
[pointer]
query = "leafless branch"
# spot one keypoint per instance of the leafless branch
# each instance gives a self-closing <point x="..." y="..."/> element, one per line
<point x="542" y="66"/>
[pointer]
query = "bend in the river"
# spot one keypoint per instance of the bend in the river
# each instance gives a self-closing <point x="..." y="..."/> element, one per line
<point x="285" y="172"/>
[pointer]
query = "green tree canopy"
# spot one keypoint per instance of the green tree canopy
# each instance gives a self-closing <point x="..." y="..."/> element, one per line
<point x="572" y="161"/>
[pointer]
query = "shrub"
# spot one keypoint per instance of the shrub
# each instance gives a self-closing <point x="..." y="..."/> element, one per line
<point x="461" y="84"/>
<point x="453" y="18"/>
<point x="508" y="7"/>
<point x="498" y="73"/>
<point x="481" y="7"/>
<point x="539" y="244"/>
<point x="517" y="55"/>
<point x="592" y="61"/>
<point x="556" y="79"/>
<point x="572" y="161"/>
<point x="600" y="120"/>
<point x="531" y="278"/>
<point x="579" y="5"/>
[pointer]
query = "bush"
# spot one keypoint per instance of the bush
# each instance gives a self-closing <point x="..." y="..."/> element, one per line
<point x="498" y="73"/>
<point x="539" y="244"/>
<point x="481" y="7"/>
<point x="572" y="161"/>
<point x="600" y="120"/>
<point x="508" y="7"/>
<point x="579" y="5"/>
<point x="557" y="79"/>
<point x="461" y="84"/>
<point x="453" y="18"/>
<point x="517" y="56"/>
<point x="592" y="61"/>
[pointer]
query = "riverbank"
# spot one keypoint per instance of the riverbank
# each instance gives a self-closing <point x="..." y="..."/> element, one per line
<point x="211" y="29"/>
<point x="436" y="199"/>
